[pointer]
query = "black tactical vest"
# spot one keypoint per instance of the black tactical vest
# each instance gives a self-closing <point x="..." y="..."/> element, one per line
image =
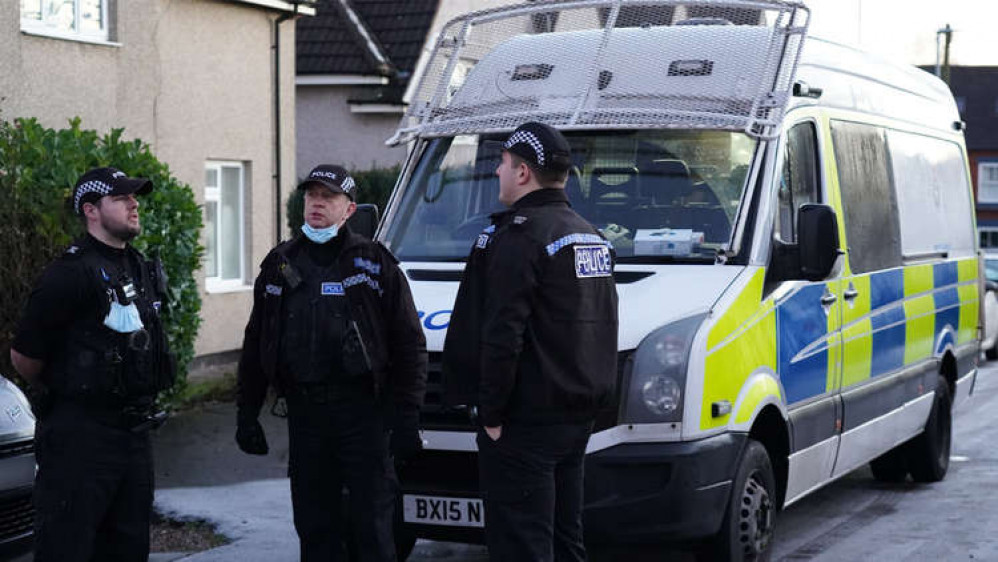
<point x="316" y="316"/>
<point x="102" y="366"/>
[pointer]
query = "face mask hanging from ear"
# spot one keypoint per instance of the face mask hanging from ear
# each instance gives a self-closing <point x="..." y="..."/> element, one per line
<point x="124" y="318"/>
<point x="320" y="235"/>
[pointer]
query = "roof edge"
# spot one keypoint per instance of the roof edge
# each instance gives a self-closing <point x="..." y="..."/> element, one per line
<point x="301" y="7"/>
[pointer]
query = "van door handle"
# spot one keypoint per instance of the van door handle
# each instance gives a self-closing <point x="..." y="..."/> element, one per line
<point x="850" y="292"/>
<point x="828" y="299"/>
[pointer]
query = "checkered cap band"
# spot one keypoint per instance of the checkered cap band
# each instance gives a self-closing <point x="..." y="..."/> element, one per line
<point x="531" y="140"/>
<point x="347" y="185"/>
<point x="98" y="187"/>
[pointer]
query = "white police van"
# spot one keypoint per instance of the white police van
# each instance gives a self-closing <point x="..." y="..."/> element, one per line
<point x="796" y="260"/>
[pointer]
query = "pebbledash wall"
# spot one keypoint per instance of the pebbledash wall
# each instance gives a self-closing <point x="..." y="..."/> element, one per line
<point x="194" y="78"/>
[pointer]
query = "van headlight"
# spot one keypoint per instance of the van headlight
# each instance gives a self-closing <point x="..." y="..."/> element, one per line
<point x="654" y="391"/>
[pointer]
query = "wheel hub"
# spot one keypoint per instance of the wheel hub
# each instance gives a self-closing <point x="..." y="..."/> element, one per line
<point x="755" y="518"/>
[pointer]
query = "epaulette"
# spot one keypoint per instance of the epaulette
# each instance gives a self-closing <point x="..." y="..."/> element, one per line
<point x="74" y="251"/>
<point x="387" y="252"/>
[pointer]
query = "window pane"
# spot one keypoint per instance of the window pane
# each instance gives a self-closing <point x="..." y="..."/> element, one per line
<point x="91" y="16"/>
<point x="60" y="14"/>
<point x="930" y="178"/>
<point x="631" y="185"/>
<point x="211" y="177"/>
<point x="31" y="9"/>
<point x="868" y="199"/>
<point x="211" y="239"/>
<point x="987" y="180"/>
<point x="799" y="184"/>
<point x="231" y="224"/>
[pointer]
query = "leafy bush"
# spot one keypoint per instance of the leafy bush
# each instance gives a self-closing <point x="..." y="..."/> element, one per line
<point x="38" y="169"/>
<point x="373" y="186"/>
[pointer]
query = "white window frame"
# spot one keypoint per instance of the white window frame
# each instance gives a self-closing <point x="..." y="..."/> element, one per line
<point x="987" y="230"/>
<point x="987" y="191"/>
<point x="40" y="27"/>
<point x="218" y="284"/>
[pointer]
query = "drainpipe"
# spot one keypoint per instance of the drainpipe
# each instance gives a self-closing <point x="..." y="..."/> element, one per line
<point x="276" y="46"/>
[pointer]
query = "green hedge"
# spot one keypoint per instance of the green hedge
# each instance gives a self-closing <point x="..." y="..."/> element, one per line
<point x="38" y="168"/>
<point x="373" y="186"/>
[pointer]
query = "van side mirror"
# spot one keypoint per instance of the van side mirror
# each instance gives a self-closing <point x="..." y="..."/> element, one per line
<point x="364" y="220"/>
<point x="817" y="240"/>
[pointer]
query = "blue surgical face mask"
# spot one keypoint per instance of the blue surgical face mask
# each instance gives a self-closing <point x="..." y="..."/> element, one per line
<point x="320" y="235"/>
<point x="123" y="319"/>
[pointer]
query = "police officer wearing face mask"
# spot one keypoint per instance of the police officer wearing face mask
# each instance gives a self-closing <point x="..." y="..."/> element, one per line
<point x="334" y="329"/>
<point x="533" y="342"/>
<point x="92" y="347"/>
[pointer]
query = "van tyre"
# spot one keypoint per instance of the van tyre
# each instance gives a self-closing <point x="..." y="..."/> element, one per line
<point x="891" y="466"/>
<point x="928" y="454"/>
<point x="992" y="352"/>
<point x="746" y="533"/>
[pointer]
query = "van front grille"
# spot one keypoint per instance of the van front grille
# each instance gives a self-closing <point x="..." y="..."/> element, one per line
<point x="17" y="517"/>
<point x="17" y="448"/>
<point x="438" y="415"/>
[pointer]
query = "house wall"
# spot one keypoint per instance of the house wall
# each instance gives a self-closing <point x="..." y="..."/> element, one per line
<point x="328" y="133"/>
<point x="194" y="79"/>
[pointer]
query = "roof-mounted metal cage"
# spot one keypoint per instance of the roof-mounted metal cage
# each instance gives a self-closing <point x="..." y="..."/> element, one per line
<point x="601" y="64"/>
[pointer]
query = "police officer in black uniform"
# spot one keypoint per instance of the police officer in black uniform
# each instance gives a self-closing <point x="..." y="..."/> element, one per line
<point x="533" y="341"/>
<point x="334" y="329"/>
<point x="93" y="349"/>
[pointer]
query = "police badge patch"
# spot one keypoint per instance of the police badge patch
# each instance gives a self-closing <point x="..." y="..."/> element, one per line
<point x="483" y="241"/>
<point x="332" y="288"/>
<point x="592" y="261"/>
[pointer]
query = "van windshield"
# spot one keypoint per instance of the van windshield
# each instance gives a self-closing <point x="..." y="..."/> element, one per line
<point x="657" y="195"/>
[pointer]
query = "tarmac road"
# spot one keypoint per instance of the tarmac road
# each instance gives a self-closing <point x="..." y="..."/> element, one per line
<point x="201" y="473"/>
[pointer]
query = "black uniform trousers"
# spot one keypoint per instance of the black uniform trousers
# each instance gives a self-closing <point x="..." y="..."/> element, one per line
<point x="93" y="491"/>
<point x="532" y="481"/>
<point x="338" y="439"/>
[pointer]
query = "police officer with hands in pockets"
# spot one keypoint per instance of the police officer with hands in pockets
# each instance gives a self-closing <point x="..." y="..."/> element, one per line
<point x="92" y="347"/>
<point x="334" y="329"/>
<point x="533" y="342"/>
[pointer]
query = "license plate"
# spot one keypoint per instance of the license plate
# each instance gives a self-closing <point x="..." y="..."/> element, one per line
<point x="434" y="510"/>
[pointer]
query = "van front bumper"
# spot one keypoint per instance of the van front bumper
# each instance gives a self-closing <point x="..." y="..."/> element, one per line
<point x="634" y="492"/>
<point x="658" y="492"/>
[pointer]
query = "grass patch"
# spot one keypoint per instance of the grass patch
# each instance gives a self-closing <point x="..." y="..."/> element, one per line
<point x="210" y="389"/>
<point x="187" y="535"/>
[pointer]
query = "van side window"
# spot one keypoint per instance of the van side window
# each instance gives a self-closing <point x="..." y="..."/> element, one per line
<point x="798" y="180"/>
<point x="868" y="200"/>
<point x="933" y="194"/>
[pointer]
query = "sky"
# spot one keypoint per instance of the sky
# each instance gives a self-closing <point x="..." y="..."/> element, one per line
<point x="905" y="30"/>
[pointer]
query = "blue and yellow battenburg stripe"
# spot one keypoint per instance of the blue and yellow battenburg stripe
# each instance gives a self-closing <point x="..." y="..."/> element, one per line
<point x="899" y="317"/>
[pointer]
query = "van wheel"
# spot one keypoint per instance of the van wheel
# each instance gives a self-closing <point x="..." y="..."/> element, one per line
<point x="746" y="533"/>
<point x="992" y="352"/>
<point x="891" y="466"/>
<point x="928" y="454"/>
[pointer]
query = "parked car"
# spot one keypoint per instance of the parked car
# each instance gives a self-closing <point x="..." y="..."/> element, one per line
<point x="17" y="466"/>
<point x="990" y="342"/>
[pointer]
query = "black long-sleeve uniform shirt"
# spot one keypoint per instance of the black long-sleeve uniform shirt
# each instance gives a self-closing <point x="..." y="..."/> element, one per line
<point x="533" y="335"/>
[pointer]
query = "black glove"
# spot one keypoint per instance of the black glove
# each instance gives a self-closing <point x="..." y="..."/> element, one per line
<point x="405" y="441"/>
<point x="250" y="436"/>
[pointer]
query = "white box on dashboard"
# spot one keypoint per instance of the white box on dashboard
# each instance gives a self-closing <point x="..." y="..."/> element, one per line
<point x="666" y="241"/>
